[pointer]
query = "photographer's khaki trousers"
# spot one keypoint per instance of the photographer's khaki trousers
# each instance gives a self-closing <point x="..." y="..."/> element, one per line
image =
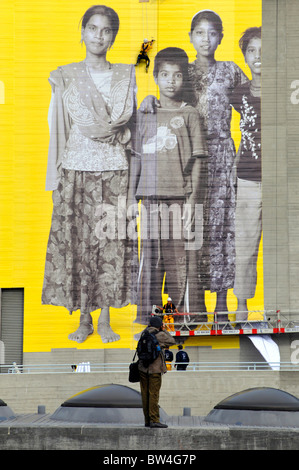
<point x="150" y="385"/>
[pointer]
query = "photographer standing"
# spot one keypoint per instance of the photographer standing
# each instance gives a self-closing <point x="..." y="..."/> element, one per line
<point x="151" y="375"/>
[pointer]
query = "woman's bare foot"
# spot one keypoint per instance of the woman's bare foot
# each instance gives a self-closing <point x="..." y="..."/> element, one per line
<point x="104" y="328"/>
<point x="106" y="332"/>
<point x="80" y="335"/>
<point x="85" y="329"/>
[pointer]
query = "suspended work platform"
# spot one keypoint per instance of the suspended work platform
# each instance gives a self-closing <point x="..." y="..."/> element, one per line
<point x="212" y="324"/>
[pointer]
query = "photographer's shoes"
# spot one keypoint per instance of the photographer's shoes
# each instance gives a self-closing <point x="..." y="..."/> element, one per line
<point x="158" y="425"/>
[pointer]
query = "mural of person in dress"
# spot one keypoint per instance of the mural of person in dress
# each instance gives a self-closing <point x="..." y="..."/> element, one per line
<point x="246" y="99"/>
<point x="213" y="82"/>
<point x="91" y="107"/>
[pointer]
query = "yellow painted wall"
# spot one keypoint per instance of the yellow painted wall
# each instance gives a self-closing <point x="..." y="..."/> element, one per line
<point x="36" y="37"/>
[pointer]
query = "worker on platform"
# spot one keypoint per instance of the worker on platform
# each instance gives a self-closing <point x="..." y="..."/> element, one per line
<point x="143" y="54"/>
<point x="168" y="319"/>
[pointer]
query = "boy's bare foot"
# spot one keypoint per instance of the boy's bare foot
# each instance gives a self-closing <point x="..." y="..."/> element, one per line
<point x="80" y="335"/>
<point x="106" y="332"/>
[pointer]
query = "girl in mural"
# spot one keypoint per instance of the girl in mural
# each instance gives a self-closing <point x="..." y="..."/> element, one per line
<point x="246" y="99"/>
<point x="91" y="107"/>
<point x="213" y="82"/>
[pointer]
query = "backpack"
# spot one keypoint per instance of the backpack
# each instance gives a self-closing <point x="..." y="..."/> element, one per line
<point x="148" y="348"/>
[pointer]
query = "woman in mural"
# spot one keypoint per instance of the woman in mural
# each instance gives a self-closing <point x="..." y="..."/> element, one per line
<point x="88" y="265"/>
<point x="213" y="82"/>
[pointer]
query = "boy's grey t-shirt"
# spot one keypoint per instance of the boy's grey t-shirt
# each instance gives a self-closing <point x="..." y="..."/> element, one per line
<point x="166" y="142"/>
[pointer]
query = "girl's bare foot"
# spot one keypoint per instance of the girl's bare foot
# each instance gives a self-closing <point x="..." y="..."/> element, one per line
<point x="242" y="310"/>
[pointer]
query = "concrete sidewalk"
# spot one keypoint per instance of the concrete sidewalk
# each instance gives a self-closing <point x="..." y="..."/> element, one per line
<point x="185" y="433"/>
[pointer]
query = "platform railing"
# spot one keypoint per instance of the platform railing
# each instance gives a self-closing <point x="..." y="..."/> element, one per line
<point x="212" y="323"/>
<point x="87" y="367"/>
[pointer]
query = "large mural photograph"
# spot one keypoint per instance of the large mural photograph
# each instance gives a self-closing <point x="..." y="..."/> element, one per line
<point x="132" y="176"/>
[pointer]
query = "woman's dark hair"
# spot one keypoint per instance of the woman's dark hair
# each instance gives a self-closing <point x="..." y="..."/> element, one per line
<point x="104" y="11"/>
<point x="250" y="33"/>
<point x="210" y="16"/>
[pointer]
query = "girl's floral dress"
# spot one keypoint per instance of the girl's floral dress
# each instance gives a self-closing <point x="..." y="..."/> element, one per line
<point x="212" y="90"/>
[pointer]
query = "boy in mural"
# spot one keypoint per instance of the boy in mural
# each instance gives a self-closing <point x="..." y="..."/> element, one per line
<point x="246" y="99"/>
<point x="165" y="175"/>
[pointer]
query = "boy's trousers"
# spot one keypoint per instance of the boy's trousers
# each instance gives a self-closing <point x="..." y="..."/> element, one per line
<point x="162" y="248"/>
<point x="166" y="247"/>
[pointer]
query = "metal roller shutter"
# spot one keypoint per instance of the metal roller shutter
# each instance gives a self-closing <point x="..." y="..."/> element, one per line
<point x="12" y="314"/>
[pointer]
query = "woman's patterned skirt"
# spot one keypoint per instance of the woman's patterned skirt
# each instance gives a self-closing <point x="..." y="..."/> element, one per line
<point x="90" y="260"/>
